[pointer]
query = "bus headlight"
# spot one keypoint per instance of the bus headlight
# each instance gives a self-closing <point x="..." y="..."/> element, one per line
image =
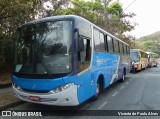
<point x="62" y="88"/>
<point x="14" y="85"/>
<point x="17" y="87"/>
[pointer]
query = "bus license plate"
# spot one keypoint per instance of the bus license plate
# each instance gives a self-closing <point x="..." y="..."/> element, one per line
<point x="34" y="98"/>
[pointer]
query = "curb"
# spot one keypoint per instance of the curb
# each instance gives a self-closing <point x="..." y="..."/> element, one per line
<point x="5" y="85"/>
<point x="5" y="107"/>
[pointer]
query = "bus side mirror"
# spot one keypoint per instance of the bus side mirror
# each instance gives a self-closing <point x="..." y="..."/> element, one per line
<point x="80" y="41"/>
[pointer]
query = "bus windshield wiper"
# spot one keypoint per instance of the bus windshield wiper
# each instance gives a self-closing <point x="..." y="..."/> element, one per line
<point x="44" y="64"/>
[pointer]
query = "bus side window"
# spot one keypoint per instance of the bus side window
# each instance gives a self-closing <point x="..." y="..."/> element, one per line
<point x="127" y="49"/>
<point x="110" y="44"/>
<point x="106" y="43"/>
<point x="84" y="57"/>
<point x="142" y="55"/>
<point x="124" y="48"/>
<point x="121" y="48"/>
<point x="116" y="46"/>
<point x="102" y="41"/>
<point x="113" y="45"/>
<point x="97" y="42"/>
<point x="88" y="50"/>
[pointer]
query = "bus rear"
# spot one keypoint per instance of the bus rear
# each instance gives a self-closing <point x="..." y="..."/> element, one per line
<point x="153" y="59"/>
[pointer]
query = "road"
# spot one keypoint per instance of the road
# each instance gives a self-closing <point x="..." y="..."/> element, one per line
<point x="140" y="91"/>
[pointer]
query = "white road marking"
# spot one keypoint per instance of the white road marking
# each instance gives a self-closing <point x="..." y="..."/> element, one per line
<point x="122" y="87"/>
<point x="127" y="83"/>
<point x="131" y="79"/>
<point x="114" y="94"/>
<point x="102" y="105"/>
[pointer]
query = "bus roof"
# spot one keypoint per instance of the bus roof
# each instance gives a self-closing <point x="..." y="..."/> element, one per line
<point x="69" y="17"/>
<point x="133" y="50"/>
<point x="152" y="53"/>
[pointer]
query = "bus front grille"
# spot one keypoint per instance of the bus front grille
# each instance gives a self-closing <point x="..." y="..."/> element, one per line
<point x="35" y="91"/>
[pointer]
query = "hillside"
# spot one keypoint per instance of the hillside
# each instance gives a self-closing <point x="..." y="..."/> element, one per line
<point x="150" y="42"/>
<point x="155" y="36"/>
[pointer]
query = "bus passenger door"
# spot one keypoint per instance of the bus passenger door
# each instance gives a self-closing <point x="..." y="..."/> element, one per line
<point x="84" y="75"/>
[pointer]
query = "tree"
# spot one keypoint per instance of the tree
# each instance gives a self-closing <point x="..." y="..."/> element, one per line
<point x="152" y="46"/>
<point x="108" y="16"/>
<point x="12" y="14"/>
<point x="57" y="5"/>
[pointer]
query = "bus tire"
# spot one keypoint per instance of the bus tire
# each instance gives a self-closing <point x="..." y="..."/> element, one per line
<point x="145" y="67"/>
<point x="140" y="68"/>
<point x="156" y="65"/>
<point x="98" y="91"/>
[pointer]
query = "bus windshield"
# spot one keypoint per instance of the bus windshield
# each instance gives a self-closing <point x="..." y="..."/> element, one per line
<point x="44" y="48"/>
<point x="134" y="56"/>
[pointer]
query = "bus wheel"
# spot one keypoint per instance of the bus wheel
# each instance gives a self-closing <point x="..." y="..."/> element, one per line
<point x="98" y="90"/>
<point x="156" y="65"/>
<point x="145" y="67"/>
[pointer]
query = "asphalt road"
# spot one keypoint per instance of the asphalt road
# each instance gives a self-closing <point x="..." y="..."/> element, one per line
<point x="140" y="91"/>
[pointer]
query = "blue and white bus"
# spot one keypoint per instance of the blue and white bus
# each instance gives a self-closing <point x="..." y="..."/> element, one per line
<point x="66" y="60"/>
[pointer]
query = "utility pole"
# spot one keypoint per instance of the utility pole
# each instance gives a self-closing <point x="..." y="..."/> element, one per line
<point x="134" y="42"/>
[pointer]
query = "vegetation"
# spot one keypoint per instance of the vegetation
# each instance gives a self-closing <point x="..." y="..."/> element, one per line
<point x="16" y="12"/>
<point x="109" y="17"/>
<point x="151" y="42"/>
<point x="12" y="14"/>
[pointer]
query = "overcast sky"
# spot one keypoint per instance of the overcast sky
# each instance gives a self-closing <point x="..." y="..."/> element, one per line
<point x="147" y="16"/>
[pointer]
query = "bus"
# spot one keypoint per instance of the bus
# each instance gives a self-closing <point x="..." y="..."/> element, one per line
<point x="153" y="59"/>
<point x="140" y="58"/>
<point x="66" y="60"/>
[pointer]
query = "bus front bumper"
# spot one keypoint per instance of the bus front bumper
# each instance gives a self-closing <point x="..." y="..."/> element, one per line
<point x="65" y="98"/>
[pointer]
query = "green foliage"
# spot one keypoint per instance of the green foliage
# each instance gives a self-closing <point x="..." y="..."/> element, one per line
<point x="115" y="8"/>
<point x="89" y="10"/>
<point x="108" y="17"/>
<point x="12" y="14"/>
<point x="151" y="42"/>
<point x="148" y="45"/>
